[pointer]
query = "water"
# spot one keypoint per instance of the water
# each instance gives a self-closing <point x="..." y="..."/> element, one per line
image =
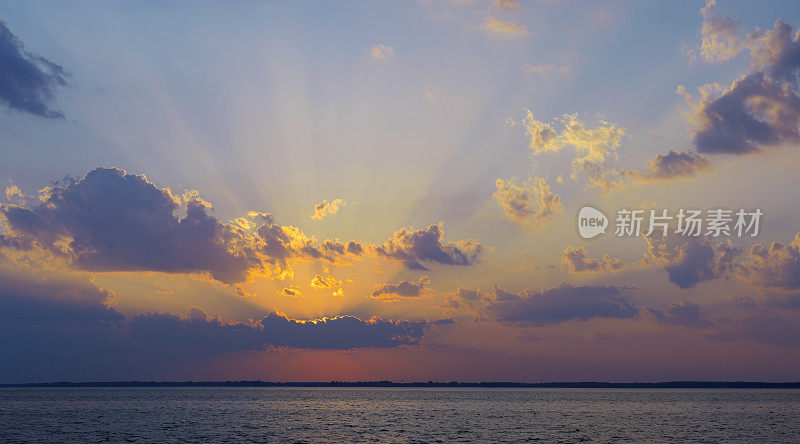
<point x="397" y="415"/>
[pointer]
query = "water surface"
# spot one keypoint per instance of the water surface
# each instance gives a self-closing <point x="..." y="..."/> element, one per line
<point x="397" y="415"/>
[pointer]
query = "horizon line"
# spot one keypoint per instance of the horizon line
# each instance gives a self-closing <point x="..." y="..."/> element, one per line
<point x="418" y="384"/>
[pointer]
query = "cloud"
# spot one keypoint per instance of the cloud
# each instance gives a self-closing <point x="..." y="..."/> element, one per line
<point x="292" y="292"/>
<point x="341" y="248"/>
<point x="684" y="313"/>
<point x="415" y="247"/>
<point x="592" y="145"/>
<point x="13" y="193"/>
<point x="778" y="266"/>
<point x="755" y="112"/>
<point x="59" y="326"/>
<point x="52" y="323"/>
<point x="689" y="261"/>
<point x="355" y="248"/>
<point x="113" y="221"/>
<point x="200" y="333"/>
<point x="560" y="304"/>
<point x="693" y="264"/>
<point x="577" y="260"/>
<point x="508" y="5"/>
<point x="529" y="204"/>
<point x="59" y="299"/>
<point x="381" y="51"/>
<point x="28" y="80"/>
<point x="761" y="109"/>
<point x="466" y="298"/>
<point x="276" y="245"/>
<point x="671" y="166"/>
<point x="545" y="69"/>
<point x="596" y="152"/>
<point x="238" y="291"/>
<point x="763" y="326"/>
<point x="327" y="282"/>
<point x="402" y="289"/>
<point x="325" y="208"/>
<point x="322" y="282"/>
<point x="594" y="148"/>
<point x="336" y="246"/>
<point x="720" y="35"/>
<point x="777" y="51"/>
<point x="509" y="28"/>
<point x="343" y="332"/>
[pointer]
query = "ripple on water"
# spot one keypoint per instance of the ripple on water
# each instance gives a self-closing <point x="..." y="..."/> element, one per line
<point x="404" y="415"/>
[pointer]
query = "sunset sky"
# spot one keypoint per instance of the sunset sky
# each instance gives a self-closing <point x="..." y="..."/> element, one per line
<point x="389" y="190"/>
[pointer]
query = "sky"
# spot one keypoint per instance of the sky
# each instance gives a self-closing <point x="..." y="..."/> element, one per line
<point x="316" y="191"/>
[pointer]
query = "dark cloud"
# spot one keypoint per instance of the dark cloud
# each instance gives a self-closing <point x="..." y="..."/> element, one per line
<point x="53" y="324"/>
<point x="561" y="304"/>
<point x="202" y="334"/>
<point x="414" y="247"/>
<point x="762" y="108"/>
<point x="755" y="112"/>
<point x="402" y="289"/>
<point x="55" y="300"/>
<point x="691" y="260"/>
<point x="778" y="266"/>
<point x="335" y="246"/>
<point x="776" y="50"/>
<point x="355" y="248"/>
<point x="685" y="313"/>
<point x="113" y="221"/>
<point x="341" y="248"/>
<point x="670" y="166"/>
<point x="577" y="260"/>
<point x="694" y="263"/>
<point x="27" y="81"/>
<point x="344" y="332"/>
<point x="120" y="222"/>
<point x="60" y="327"/>
<point x="292" y="292"/>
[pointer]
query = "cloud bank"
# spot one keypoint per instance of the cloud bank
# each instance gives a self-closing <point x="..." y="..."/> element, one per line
<point x="114" y="221"/>
<point x="560" y="304"/>
<point x="53" y="323"/>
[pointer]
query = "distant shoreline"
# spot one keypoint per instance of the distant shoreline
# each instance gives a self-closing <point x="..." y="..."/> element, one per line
<point x="389" y="384"/>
